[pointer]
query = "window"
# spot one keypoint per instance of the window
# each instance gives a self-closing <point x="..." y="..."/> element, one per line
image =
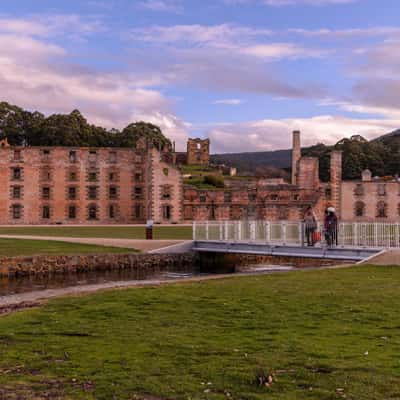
<point x="112" y="157"/>
<point x="167" y="212"/>
<point x="252" y="197"/>
<point x="72" y="156"/>
<point x="166" y="192"/>
<point x="92" y="156"/>
<point x="359" y="190"/>
<point x="227" y="197"/>
<point x="138" y="192"/>
<point x="166" y="171"/>
<point x="92" y="177"/>
<point x="72" y="176"/>
<point x="113" y="192"/>
<point x="274" y="197"/>
<point x="72" y="212"/>
<point x="381" y="210"/>
<point x="203" y="198"/>
<point x="138" y="159"/>
<point x="112" y="176"/>
<point x="138" y="177"/>
<point x="46" y="193"/>
<point x="111" y="211"/>
<point x="45" y="174"/>
<point x="46" y="212"/>
<point x="382" y="190"/>
<point x="16" y="174"/>
<point x="45" y="155"/>
<point x="359" y="209"/>
<point x="92" y="212"/>
<point x="296" y="197"/>
<point x="72" y="193"/>
<point x="137" y="211"/>
<point x="16" y="192"/>
<point x="16" y="211"/>
<point x="328" y="193"/>
<point x="92" y="192"/>
<point x="17" y="155"/>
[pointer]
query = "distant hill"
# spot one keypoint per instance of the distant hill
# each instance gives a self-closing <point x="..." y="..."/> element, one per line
<point x="248" y="162"/>
<point x="380" y="155"/>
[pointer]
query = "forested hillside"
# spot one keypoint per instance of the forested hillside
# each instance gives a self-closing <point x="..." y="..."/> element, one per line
<point x="381" y="156"/>
<point x="23" y="127"/>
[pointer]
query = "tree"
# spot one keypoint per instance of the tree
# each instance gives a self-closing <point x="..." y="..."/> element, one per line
<point x="133" y="132"/>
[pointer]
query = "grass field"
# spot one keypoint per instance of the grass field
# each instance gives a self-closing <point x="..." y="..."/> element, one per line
<point x="22" y="247"/>
<point x="117" y="232"/>
<point x="326" y="335"/>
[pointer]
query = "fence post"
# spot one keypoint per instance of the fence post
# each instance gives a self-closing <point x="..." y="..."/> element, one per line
<point x="301" y="234"/>
<point x="194" y="230"/>
<point x="284" y="233"/>
<point x="267" y="231"/>
<point x="239" y="231"/>
<point x="253" y="231"/>
<point x="375" y="234"/>
<point x="207" y="236"/>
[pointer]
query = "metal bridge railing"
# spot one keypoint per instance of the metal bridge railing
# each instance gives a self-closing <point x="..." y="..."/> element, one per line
<point x="370" y="235"/>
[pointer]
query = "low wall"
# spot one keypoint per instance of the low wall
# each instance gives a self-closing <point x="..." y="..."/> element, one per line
<point x="228" y="263"/>
<point x="144" y="264"/>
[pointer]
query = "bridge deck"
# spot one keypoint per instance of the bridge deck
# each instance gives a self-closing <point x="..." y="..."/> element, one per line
<point x="338" y="253"/>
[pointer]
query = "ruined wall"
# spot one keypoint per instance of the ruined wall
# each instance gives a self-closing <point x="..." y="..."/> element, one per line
<point x="198" y="151"/>
<point x="308" y="174"/>
<point x="296" y="156"/>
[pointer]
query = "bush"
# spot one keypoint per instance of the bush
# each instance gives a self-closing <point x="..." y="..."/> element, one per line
<point x="214" y="180"/>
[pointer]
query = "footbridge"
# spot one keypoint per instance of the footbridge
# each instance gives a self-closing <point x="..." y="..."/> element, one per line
<point x="353" y="241"/>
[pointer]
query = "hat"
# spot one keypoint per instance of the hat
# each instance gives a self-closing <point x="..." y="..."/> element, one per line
<point x="331" y="209"/>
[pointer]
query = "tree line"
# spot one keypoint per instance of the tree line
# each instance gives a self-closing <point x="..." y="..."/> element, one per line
<point x="26" y="128"/>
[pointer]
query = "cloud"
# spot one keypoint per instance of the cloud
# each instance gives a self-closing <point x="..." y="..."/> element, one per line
<point x="173" y="6"/>
<point x="229" y="102"/>
<point x="266" y="135"/>
<point x="219" y="58"/>
<point x="38" y="75"/>
<point x="347" y="33"/>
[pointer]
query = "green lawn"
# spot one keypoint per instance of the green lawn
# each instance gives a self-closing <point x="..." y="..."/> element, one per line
<point x="22" y="247"/>
<point x="128" y="232"/>
<point x="326" y="335"/>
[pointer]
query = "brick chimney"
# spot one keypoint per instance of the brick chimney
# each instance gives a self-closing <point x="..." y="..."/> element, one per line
<point x="336" y="180"/>
<point x="296" y="156"/>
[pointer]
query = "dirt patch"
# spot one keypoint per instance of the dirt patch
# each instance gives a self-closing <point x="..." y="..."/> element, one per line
<point x="44" y="391"/>
<point x="17" y="307"/>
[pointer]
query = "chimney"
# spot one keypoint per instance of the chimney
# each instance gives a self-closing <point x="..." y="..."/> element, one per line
<point x="336" y="180"/>
<point x="296" y="156"/>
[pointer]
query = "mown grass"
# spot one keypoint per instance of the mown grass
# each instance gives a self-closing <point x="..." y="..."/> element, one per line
<point x="22" y="247"/>
<point x="326" y="335"/>
<point x="117" y="232"/>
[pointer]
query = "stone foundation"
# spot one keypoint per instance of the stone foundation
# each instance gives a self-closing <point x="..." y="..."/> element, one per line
<point x="144" y="264"/>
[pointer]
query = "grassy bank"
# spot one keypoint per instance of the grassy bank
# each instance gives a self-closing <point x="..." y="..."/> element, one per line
<point x="22" y="247"/>
<point x="129" y="232"/>
<point x="326" y="335"/>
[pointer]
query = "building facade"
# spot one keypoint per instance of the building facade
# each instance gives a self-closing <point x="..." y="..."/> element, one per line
<point x="59" y="185"/>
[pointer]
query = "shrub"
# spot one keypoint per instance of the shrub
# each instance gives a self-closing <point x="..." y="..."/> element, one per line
<point x="214" y="180"/>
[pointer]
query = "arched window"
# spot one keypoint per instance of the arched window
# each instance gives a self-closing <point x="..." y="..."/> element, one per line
<point x="359" y="209"/>
<point x="381" y="210"/>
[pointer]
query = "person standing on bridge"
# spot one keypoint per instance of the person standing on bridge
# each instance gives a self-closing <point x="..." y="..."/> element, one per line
<point x="331" y="227"/>
<point x="310" y="223"/>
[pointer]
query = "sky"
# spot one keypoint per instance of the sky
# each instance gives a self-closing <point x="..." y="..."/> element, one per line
<point x="244" y="73"/>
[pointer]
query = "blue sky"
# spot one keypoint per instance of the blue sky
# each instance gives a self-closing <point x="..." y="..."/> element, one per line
<point x="243" y="72"/>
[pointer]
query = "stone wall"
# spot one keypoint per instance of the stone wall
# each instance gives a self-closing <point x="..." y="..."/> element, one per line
<point x="145" y="264"/>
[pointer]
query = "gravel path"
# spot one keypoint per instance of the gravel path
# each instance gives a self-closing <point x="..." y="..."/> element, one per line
<point x="142" y="245"/>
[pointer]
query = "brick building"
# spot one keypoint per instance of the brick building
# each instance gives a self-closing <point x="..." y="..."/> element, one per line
<point x="131" y="185"/>
<point x="87" y="186"/>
